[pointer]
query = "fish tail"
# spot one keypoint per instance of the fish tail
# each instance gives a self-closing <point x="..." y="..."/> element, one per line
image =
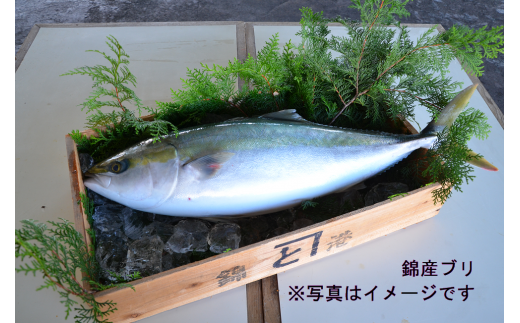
<point x="446" y="119"/>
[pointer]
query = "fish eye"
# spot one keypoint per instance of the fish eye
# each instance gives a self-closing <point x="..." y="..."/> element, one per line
<point x="118" y="166"/>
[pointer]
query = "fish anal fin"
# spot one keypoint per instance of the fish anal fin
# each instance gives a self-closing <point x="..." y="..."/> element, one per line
<point x="209" y="165"/>
<point x="287" y="114"/>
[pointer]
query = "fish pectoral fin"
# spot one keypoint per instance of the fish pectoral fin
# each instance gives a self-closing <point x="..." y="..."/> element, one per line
<point x="207" y="166"/>
<point x="287" y="114"/>
<point x="481" y="162"/>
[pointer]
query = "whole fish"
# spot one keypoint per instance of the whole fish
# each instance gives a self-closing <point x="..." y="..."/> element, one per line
<point x="250" y="166"/>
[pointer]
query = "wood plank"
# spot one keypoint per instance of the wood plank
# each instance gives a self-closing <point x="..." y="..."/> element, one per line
<point x="25" y="46"/>
<point x="255" y="308"/>
<point x="226" y="271"/>
<point x="250" y="43"/>
<point x="77" y="187"/>
<point x="241" y="47"/>
<point x="250" y="40"/>
<point x="409" y="126"/>
<point x="271" y="299"/>
<point x="488" y="99"/>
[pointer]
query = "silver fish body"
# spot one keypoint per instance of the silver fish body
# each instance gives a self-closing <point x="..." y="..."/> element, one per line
<point x="251" y="166"/>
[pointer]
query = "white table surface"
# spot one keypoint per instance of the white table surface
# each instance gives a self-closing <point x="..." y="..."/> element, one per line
<point x="469" y="227"/>
<point x="46" y="110"/>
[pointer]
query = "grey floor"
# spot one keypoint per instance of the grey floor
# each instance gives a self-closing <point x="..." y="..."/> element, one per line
<point x="473" y="13"/>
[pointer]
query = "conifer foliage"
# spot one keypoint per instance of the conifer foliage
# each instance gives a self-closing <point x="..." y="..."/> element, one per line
<point x="111" y="83"/>
<point x="57" y="253"/>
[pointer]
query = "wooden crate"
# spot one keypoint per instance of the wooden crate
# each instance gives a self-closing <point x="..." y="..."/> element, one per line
<point x="185" y="284"/>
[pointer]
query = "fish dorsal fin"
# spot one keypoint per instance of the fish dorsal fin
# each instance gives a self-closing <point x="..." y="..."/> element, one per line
<point x="207" y="166"/>
<point x="288" y="115"/>
<point x="236" y="119"/>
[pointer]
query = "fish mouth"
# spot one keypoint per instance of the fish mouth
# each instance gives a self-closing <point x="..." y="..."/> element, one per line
<point x="96" y="170"/>
<point x="101" y="180"/>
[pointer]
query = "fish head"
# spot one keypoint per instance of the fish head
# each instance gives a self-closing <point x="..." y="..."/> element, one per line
<point x="141" y="177"/>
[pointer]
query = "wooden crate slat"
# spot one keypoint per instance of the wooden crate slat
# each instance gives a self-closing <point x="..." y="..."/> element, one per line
<point x="76" y="184"/>
<point x="25" y="46"/>
<point x="271" y="299"/>
<point x="255" y="306"/>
